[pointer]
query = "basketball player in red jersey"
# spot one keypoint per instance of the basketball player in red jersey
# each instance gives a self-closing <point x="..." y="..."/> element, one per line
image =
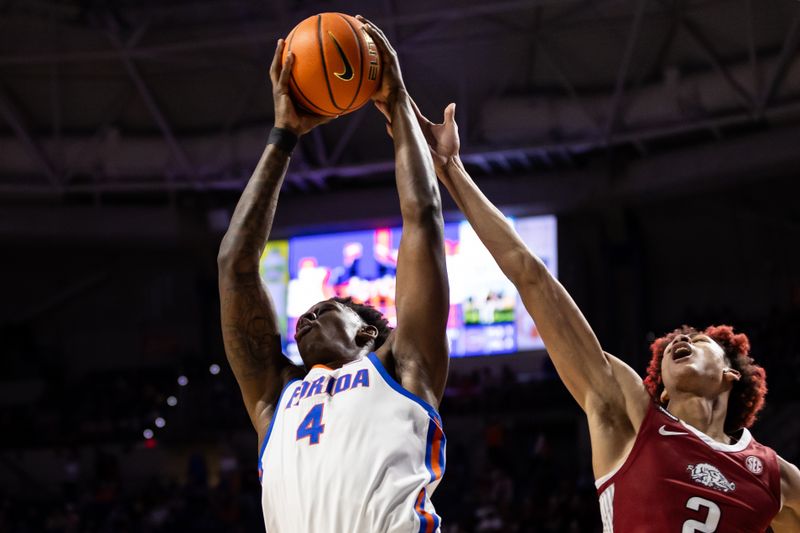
<point x="358" y="446"/>
<point x="671" y="453"/>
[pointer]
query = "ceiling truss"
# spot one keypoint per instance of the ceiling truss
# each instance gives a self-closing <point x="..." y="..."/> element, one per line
<point x="324" y="158"/>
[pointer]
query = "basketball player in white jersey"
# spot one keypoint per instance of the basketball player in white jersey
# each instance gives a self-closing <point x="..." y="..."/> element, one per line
<point x="352" y="442"/>
<point x="671" y="453"/>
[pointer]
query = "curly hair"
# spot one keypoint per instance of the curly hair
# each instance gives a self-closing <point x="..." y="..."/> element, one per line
<point x="370" y="316"/>
<point x="747" y="395"/>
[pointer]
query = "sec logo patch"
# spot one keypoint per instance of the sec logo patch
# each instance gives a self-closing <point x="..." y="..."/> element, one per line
<point x="754" y="464"/>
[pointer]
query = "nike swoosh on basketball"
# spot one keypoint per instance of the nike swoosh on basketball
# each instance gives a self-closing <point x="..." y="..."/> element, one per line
<point x="347" y="75"/>
<point x="667" y="433"/>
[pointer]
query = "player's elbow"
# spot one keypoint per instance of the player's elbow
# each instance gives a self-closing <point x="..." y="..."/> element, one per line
<point x="423" y="211"/>
<point x="524" y="269"/>
<point x="235" y="255"/>
<point x="225" y="255"/>
<point x="230" y="259"/>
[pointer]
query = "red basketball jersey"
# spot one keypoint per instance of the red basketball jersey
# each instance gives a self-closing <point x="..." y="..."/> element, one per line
<point x="679" y="480"/>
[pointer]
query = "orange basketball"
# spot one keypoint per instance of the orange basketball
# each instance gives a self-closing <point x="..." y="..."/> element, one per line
<point x="336" y="65"/>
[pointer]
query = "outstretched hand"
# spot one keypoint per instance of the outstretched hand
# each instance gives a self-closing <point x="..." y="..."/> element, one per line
<point x="443" y="140"/>
<point x="286" y="113"/>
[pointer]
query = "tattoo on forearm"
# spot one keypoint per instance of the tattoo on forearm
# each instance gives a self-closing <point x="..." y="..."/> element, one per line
<point x="249" y="330"/>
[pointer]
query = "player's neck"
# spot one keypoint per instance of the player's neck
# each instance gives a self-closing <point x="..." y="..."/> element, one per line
<point x="337" y="359"/>
<point x="705" y="414"/>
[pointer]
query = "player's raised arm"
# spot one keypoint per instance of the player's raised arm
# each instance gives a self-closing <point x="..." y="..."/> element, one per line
<point x="419" y="344"/>
<point x="249" y="324"/>
<point x="595" y="379"/>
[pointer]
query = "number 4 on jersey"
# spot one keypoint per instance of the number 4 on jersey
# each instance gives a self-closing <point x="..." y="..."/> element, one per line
<point x="312" y="426"/>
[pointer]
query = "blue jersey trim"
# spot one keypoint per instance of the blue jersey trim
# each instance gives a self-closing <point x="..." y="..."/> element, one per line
<point x="423" y="522"/>
<point x="429" y="450"/>
<point x="442" y="460"/>
<point x="399" y="388"/>
<point x="433" y="427"/>
<point x="419" y="509"/>
<point x="271" y="423"/>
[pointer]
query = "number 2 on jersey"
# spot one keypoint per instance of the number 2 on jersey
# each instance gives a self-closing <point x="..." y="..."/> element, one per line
<point x="712" y="520"/>
<point x="312" y="426"/>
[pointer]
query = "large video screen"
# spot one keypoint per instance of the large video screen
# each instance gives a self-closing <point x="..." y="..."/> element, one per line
<point x="486" y="313"/>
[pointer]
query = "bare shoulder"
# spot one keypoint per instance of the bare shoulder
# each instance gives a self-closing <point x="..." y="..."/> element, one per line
<point x="615" y="414"/>
<point x="384" y="353"/>
<point x="622" y="400"/>
<point x="790" y="484"/>
<point x="634" y="394"/>
<point x="788" y="519"/>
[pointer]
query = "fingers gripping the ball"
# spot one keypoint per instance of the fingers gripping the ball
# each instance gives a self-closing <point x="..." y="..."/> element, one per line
<point x="280" y="71"/>
<point x="391" y="83"/>
<point x="387" y="52"/>
<point x="286" y="73"/>
<point x="275" y="67"/>
<point x="286" y="116"/>
<point x="377" y="35"/>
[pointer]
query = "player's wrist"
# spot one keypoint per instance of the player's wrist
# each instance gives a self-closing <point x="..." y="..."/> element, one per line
<point x="283" y="137"/>
<point x="397" y="96"/>
<point x="452" y="164"/>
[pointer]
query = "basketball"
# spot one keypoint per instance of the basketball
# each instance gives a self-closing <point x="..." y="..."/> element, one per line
<point x="336" y="65"/>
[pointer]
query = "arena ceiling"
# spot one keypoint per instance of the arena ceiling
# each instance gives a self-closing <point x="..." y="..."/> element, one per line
<point x="106" y="99"/>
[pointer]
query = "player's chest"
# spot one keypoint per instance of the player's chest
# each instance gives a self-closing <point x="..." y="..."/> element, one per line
<point x="682" y="457"/>
<point x="336" y="407"/>
<point x="728" y="487"/>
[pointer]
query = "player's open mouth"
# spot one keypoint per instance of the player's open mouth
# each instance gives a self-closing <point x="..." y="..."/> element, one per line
<point x="304" y="328"/>
<point x="681" y="350"/>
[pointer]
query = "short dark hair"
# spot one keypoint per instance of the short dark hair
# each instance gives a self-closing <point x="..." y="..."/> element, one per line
<point x="747" y="395"/>
<point x="370" y="316"/>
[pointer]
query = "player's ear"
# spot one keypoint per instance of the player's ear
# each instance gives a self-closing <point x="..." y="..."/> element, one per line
<point x="366" y="334"/>
<point x="664" y="396"/>
<point x="731" y="375"/>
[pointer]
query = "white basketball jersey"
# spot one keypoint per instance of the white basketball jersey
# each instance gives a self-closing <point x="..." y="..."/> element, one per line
<point x="351" y="451"/>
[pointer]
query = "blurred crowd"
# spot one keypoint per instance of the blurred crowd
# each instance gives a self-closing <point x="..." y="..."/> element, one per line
<point x="102" y="503"/>
<point x="517" y="476"/>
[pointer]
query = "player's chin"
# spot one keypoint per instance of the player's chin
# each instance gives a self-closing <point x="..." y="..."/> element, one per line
<point x="302" y="344"/>
<point x="692" y="381"/>
<point x="681" y="376"/>
<point x="307" y="344"/>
